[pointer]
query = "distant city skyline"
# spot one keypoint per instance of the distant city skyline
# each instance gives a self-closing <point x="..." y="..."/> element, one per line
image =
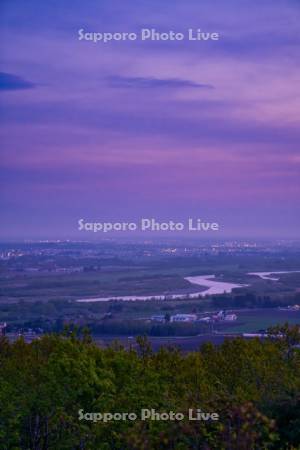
<point x="163" y="129"/>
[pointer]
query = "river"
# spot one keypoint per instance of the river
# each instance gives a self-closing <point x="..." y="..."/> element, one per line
<point x="213" y="287"/>
<point x="266" y="275"/>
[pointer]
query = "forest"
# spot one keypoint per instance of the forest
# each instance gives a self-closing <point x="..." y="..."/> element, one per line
<point x="252" y="385"/>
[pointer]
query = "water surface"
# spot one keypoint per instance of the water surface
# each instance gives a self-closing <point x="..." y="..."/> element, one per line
<point x="213" y="287"/>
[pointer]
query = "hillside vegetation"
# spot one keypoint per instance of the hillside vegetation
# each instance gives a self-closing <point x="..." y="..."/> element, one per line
<point x="254" y="387"/>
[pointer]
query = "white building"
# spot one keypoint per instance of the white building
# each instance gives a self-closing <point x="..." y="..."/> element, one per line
<point x="230" y="317"/>
<point x="183" y="318"/>
<point x="223" y="316"/>
<point x="205" y="319"/>
<point x="158" y="318"/>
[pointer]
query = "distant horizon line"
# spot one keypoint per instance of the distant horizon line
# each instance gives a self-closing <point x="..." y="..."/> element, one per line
<point x="152" y="237"/>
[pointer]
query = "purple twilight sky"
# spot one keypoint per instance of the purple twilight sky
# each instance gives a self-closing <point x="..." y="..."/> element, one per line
<point x="165" y="129"/>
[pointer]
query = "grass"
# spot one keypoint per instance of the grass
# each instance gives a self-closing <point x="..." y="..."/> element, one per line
<point x="261" y="319"/>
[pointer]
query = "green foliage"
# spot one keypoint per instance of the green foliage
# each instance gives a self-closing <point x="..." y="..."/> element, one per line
<point x="252" y="385"/>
